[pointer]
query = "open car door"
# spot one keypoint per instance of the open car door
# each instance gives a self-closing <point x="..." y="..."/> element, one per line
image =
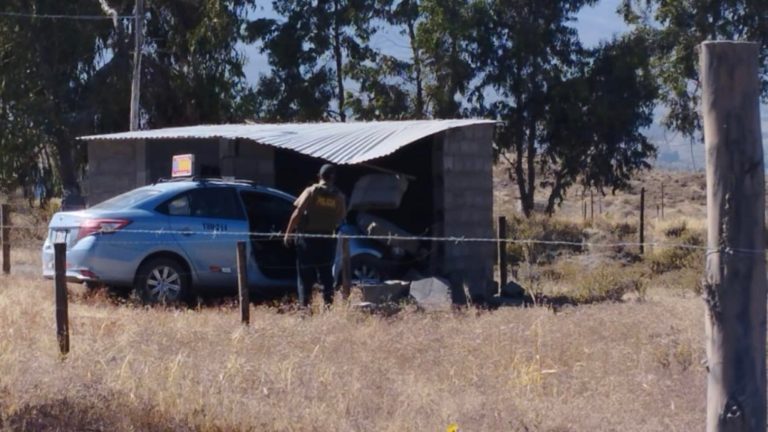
<point x="268" y="216"/>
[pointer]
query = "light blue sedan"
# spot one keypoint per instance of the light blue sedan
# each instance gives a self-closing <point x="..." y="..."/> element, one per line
<point x="170" y="240"/>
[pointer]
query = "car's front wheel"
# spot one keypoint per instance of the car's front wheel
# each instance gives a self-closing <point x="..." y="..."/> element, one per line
<point x="162" y="281"/>
<point x="368" y="269"/>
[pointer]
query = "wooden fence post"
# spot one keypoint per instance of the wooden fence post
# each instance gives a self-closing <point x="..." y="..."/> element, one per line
<point x="642" y="221"/>
<point x="60" y="294"/>
<point x="346" y="269"/>
<point x="600" y="202"/>
<point x="662" y="200"/>
<point x="591" y="205"/>
<point x="735" y="281"/>
<point x="242" y="284"/>
<point x="5" y="236"/>
<point x="502" y="249"/>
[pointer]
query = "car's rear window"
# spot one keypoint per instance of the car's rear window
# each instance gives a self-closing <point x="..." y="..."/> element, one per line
<point x="127" y="199"/>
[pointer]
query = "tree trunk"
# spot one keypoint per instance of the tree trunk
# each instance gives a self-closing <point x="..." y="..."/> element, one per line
<point x="531" y="160"/>
<point x="519" y="171"/>
<point x="555" y="194"/>
<point x="71" y="198"/>
<point x="66" y="165"/>
<point x="735" y="284"/>
<point x="419" y="108"/>
<point x="339" y="60"/>
<point x="136" y="79"/>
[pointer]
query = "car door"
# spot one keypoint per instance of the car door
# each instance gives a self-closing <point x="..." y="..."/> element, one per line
<point x="268" y="216"/>
<point x="207" y="223"/>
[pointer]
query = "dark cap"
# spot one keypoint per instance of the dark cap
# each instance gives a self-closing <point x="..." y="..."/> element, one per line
<point x="327" y="171"/>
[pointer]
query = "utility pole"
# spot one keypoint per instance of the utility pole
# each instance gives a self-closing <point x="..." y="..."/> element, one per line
<point x="642" y="221"/>
<point x="136" y="81"/>
<point x="735" y="280"/>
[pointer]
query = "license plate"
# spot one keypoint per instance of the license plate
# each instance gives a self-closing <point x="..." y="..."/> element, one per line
<point x="60" y="236"/>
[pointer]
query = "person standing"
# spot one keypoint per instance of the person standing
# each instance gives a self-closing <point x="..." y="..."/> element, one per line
<point x="318" y="210"/>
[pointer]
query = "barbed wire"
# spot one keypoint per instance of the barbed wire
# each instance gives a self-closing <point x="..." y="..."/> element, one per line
<point x="225" y="236"/>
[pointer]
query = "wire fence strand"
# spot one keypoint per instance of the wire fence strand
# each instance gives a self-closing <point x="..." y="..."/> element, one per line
<point x="226" y="236"/>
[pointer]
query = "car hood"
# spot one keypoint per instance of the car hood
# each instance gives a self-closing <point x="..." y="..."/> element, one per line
<point x="378" y="191"/>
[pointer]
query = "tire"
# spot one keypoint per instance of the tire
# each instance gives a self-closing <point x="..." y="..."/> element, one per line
<point x="163" y="281"/>
<point x="368" y="269"/>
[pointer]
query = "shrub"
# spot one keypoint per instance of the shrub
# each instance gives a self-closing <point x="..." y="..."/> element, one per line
<point x="539" y="228"/>
<point x="609" y="283"/>
<point x="676" y="230"/>
<point x="584" y="281"/>
<point x="31" y="223"/>
<point x="623" y="230"/>
<point x="686" y="254"/>
<point x="684" y="280"/>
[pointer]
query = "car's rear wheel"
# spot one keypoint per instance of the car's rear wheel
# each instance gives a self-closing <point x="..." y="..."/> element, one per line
<point x="162" y="281"/>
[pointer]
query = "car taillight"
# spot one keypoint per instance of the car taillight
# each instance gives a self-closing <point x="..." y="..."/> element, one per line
<point x="100" y="226"/>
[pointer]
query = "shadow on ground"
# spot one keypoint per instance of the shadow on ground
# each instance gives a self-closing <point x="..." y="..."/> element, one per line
<point x="92" y="413"/>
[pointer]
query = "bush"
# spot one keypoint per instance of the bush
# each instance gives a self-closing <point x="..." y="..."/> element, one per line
<point x="684" y="280"/>
<point x="539" y="228"/>
<point x="623" y="230"/>
<point x="676" y="230"/>
<point x="688" y="252"/>
<point x="609" y="283"/>
<point x="580" y="280"/>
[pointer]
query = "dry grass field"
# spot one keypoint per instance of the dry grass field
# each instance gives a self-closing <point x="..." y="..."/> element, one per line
<point x="622" y="355"/>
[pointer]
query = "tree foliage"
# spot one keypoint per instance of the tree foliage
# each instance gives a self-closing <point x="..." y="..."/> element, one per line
<point x="595" y="119"/>
<point x="677" y="27"/>
<point x="570" y="114"/>
<point x="66" y="77"/>
<point x="193" y="67"/>
<point x="390" y="87"/>
<point x="313" y="48"/>
<point x="528" y="51"/>
<point x="45" y="92"/>
<point x="444" y="36"/>
<point x="405" y="14"/>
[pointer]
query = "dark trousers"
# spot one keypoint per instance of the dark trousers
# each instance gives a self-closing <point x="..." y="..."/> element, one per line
<point x="314" y="263"/>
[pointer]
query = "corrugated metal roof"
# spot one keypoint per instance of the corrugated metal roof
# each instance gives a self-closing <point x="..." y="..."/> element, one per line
<point x="341" y="143"/>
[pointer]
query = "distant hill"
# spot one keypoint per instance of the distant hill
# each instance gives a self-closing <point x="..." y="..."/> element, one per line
<point x="677" y="153"/>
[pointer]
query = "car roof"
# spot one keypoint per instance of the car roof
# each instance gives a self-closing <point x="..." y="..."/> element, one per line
<point x="161" y="191"/>
<point x="183" y="184"/>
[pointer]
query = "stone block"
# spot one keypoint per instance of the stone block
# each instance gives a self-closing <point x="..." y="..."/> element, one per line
<point x="432" y="294"/>
<point x="390" y="291"/>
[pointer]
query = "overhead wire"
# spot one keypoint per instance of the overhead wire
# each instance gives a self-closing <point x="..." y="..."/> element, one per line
<point x="64" y="16"/>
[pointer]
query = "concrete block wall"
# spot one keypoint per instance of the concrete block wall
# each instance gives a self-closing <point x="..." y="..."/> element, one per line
<point x="247" y="160"/>
<point x="113" y="169"/>
<point x="159" y="155"/>
<point x="464" y="163"/>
